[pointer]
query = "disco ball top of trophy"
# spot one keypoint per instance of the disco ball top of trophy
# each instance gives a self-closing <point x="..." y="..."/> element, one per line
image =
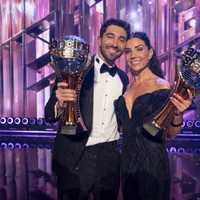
<point x="70" y="54"/>
<point x="190" y="67"/>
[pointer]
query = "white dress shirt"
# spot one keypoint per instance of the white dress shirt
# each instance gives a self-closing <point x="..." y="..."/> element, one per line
<point x="106" y="90"/>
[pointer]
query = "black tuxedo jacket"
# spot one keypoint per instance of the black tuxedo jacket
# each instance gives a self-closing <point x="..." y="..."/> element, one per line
<point x="68" y="149"/>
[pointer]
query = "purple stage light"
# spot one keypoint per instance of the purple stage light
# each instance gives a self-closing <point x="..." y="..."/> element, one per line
<point x="17" y="120"/>
<point x="32" y="121"/>
<point x="25" y="121"/>
<point x="181" y="150"/>
<point x="3" y="120"/>
<point x="192" y="22"/>
<point x="18" y="146"/>
<point x="3" y="145"/>
<point x="197" y="123"/>
<point x="183" y="124"/>
<point x="25" y="146"/>
<point x="40" y="121"/>
<point x="172" y="150"/>
<point x="11" y="145"/>
<point x="10" y="120"/>
<point x="189" y="123"/>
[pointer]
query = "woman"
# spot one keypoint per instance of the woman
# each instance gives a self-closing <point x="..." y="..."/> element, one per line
<point x="145" y="165"/>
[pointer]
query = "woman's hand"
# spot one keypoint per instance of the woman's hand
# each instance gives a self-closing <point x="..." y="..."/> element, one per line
<point x="180" y="103"/>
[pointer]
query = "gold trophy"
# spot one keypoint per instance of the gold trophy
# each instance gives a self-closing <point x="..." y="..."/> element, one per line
<point x="70" y="60"/>
<point x="187" y="77"/>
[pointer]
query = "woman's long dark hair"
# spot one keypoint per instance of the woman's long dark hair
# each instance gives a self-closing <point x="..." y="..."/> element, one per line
<point x="154" y="64"/>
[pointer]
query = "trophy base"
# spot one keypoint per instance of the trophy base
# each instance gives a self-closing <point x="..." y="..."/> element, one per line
<point x="151" y="128"/>
<point x="68" y="130"/>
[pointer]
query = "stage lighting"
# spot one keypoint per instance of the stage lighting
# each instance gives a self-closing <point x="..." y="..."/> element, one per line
<point x="25" y="121"/>
<point x="90" y="2"/>
<point x="19" y="123"/>
<point x="17" y="120"/>
<point x="11" y="145"/>
<point x="172" y="150"/>
<point x="3" y="120"/>
<point x="10" y="120"/>
<point x="189" y="123"/>
<point x="183" y="124"/>
<point x="25" y="146"/>
<point x="192" y="23"/>
<point x="3" y="145"/>
<point x="197" y="151"/>
<point x="197" y="124"/>
<point x="40" y="121"/>
<point x="18" y="146"/>
<point x="133" y="15"/>
<point x="137" y="26"/>
<point x="32" y="121"/>
<point x="181" y="150"/>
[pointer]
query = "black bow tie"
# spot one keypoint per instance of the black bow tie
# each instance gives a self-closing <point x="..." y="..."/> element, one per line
<point x="111" y="70"/>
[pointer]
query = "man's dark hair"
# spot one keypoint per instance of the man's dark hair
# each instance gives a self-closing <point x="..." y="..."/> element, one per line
<point x="117" y="22"/>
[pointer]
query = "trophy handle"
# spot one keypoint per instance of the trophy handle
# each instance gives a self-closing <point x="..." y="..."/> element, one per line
<point x="72" y="119"/>
<point x="70" y="106"/>
<point x="77" y="112"/>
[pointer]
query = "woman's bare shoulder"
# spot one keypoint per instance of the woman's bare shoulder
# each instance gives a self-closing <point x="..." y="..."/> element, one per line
<point x="162" y="83"/>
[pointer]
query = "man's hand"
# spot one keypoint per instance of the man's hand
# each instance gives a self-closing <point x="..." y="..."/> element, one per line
<point x="180" y="103"/>
<point x="64" y="94"/>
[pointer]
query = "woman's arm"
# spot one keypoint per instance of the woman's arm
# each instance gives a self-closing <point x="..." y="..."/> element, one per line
<point x="181" y="105"/>
<point x="175" y="125"/>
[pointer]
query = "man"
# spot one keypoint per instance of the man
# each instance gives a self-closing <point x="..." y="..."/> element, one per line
<point x="89" y="162"/>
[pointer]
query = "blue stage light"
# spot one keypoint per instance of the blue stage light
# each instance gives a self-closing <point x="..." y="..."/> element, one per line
<point x="181" y="150"/>
<point x="197" y="151"/>
<point x="189" y="123"/>
<point x="25" y="146"/>
<point x="24" y="123"/>
<point x="32" y="121"/>
<point x="40" y="121"/>
<point x="197" y="124"/>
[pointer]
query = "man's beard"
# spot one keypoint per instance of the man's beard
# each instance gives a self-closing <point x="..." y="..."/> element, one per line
<point x="108" y="60"/>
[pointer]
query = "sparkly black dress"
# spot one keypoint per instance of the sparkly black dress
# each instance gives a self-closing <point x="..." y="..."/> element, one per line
<point x="145" y="164"/>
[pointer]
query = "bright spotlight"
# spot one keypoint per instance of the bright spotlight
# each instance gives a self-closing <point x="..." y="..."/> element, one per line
<point x="133" y="15"/>
<point x="192" y="23"/>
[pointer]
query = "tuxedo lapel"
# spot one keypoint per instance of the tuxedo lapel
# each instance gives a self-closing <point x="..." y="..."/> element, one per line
<point x="86" y="100"/>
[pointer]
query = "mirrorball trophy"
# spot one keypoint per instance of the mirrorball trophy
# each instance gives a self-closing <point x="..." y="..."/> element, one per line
<point x="70" y="60"/>
<point x="188" y="77"/>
